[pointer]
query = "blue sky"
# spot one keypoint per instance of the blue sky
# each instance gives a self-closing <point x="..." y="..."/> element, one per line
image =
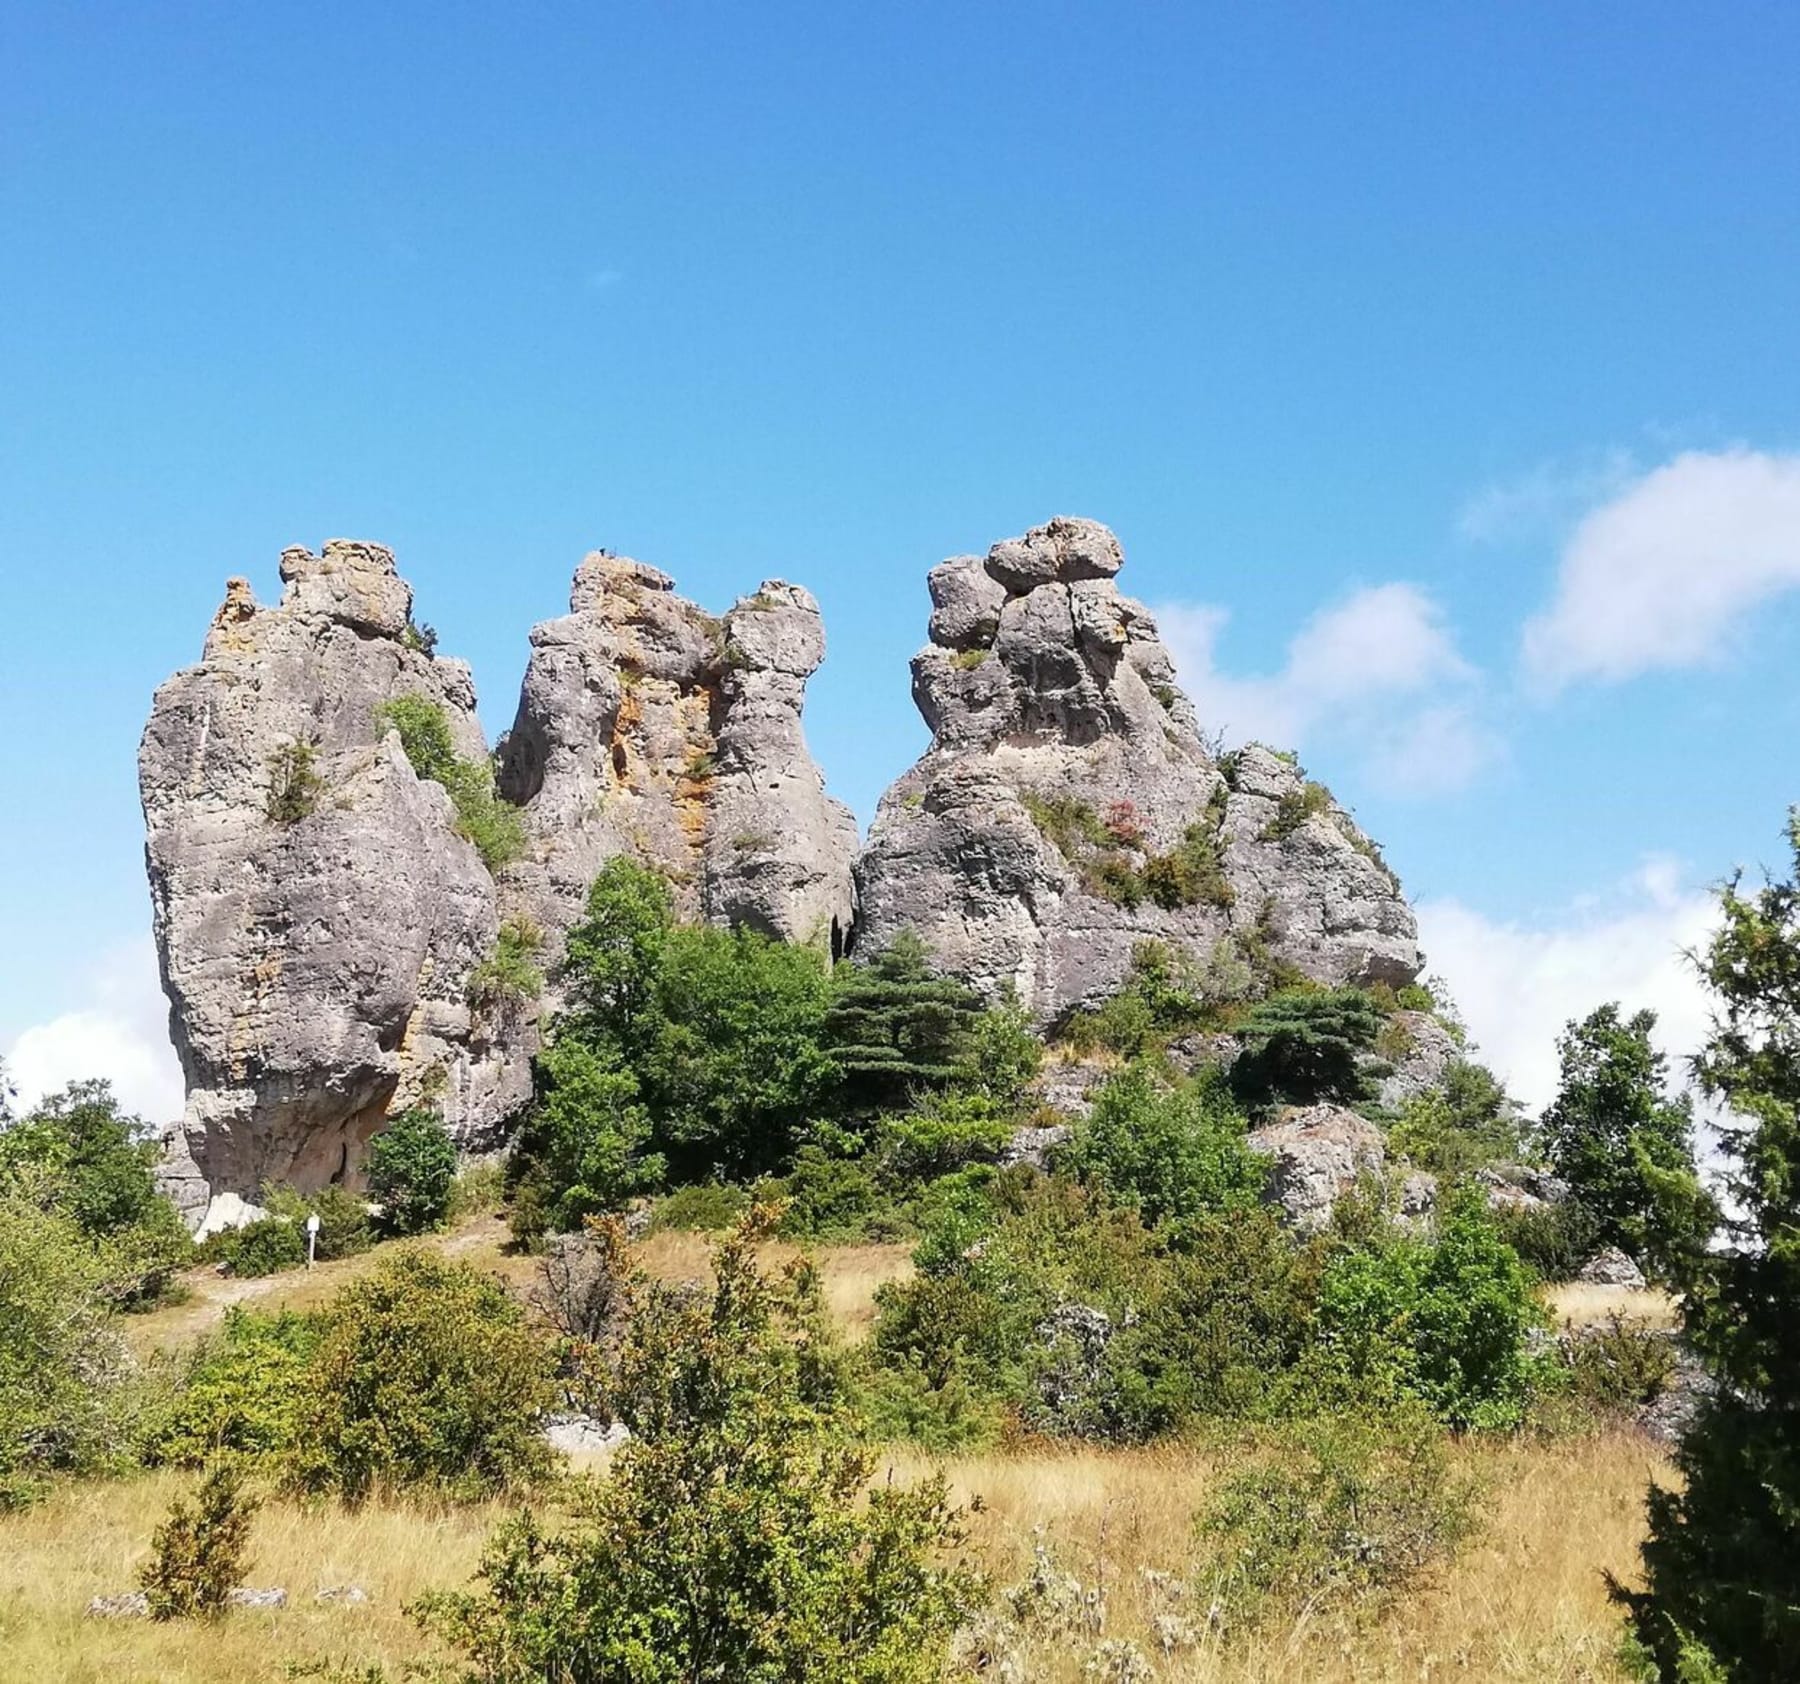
<point x="1397" y="330"/>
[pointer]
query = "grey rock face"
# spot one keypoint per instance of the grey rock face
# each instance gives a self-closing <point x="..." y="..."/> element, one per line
<point x="317" y="964"/>
<point x="1043" y="685"/>
<point x="648" y="727"/>
<point x="1611" y="1267"/>
<point x="1319" y="1154"/>
<point x="1430" y="1051"/>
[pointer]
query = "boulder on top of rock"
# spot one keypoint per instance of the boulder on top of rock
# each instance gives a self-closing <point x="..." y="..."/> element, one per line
<point x="1319" y="1153"/>
<point x="1068" y="808"/>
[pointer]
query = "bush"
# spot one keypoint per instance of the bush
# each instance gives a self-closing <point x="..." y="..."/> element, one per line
<point x="733" y="1542"/>
<point x="294" y="782"/>
<point x="1165" y="993"/>
<point x="1446" y="1321"/>
<point x="244" y="1393"/>
<point x="61" y="1368"/>
<point x="197" y="1554"/>
<point x="411" y="1167"/>
<point x="708" y="1207"/>
<point x="944" y="1132"/>
<point x="1295" y="808"/>
<point x="1345" y="1508"/>
<point x="896" y="1026"/>
<point x="1554" y="1240"/>
<point x="509" y="976"/>
<point x="1465" y="1123"/>
<point x="427" y="1375"/>
<point x="1172" y="1153"/>
<point x="1306" y="1045"/>
<point x="1620" y="1366"/>
<point x="494" y="826"/>
<point x="263" y="1247"/>
<point x="828" y="1198"/>
<point x="345" y="1229"/>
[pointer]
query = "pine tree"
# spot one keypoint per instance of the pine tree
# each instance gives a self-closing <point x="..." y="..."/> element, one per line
<point x="1722" y="1560"/>
<point x="896" y="1025"/>
<point x="1306" y="1045"/>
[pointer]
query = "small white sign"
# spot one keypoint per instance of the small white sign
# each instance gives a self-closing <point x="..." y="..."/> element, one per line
<point x="312" y="1236"/>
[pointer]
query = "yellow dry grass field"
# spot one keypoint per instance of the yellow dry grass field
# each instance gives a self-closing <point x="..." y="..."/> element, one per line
<point x="1526" y="1601"/>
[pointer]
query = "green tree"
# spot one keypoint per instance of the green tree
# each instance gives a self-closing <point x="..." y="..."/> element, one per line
<point x="427" y="1375"/>
<point x="735" y="1540"/>
<point x="582" y="1150"/>
<point x="1464" y="1123"/>
<point x="612" y="964"/>
<point x="896" y="1026"/>
<point x="1175" y="1153"/>
<point x="1623" y="1145"/>
<point x="1305" y="1045"/>
<point x="1722" y="1560"/>
<point x="198" y="1554"/>
<point x="411" y="1169"/>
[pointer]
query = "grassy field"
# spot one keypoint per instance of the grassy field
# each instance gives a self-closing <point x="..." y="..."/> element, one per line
<point x="1526" y="1600"/>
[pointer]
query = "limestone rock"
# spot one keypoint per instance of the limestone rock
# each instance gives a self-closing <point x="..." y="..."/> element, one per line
<point x="1319" y="1152"/>
<point x="127" y="1605"/>
<point x="1611" y="1267"/>
<point x="647" y="727"/>
<point x="1054" y="712"/>
<point x="316" y="952"/>
<point x="1430" y="1051"/>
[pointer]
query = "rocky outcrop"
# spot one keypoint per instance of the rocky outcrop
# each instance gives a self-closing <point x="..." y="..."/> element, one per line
<point x="1426" y="1051"/>
<point x="1318" y="1154"/>
<point x="646" y="726"/>
<point x="1068" y="807"/>
<point x="317" y="915"/>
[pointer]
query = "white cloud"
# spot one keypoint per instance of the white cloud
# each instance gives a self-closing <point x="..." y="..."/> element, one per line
<point x="1544" y="501"/>
<point x="1378" y="672"/>
<point x="121" y="1034"/>
<point x="1663" y="573"/>
<point x="1519" y="983"/>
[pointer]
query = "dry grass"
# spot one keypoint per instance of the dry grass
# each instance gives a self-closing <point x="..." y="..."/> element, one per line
<point x="1526" y="1601"/>
<point x="1577" y="1305"/>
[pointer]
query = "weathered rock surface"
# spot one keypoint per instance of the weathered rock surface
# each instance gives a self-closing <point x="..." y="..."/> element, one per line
<point x="648" y="727"/>
<point x="1430" y="1051"/>
<point x="1611" y="1267"/>
<point x="1319" y="1153"/>
<point x="1046" y="689"/>
<point x="316" y="962"/>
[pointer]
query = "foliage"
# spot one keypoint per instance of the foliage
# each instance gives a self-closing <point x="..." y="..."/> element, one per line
<point x="1165" y="993"/>
<point x="1619" y="1366"/>
<point x="345" y="1229"/>
<point x="1295" y="808"/>
<point x="294" y="782"/>
<point x="1623" y="1145"/>
<point x="1173" y="1153"/>
<point x="422" y="639"/>
<point x="1114" y="862"/>
<point x="945" y="1132"/>
<point x="1306" y="1045"/>
<point x="828" y="1197"/>
<point x="1445" y="1320"/>
<point x="895" y="1025"/>
<point x="427" y="1375"/>
<point x="1722" y="1560"/>
<point x="410" y="1167"/>
<point x="1462" y="1124"/>
<point x="613" y="956"/>
<point x="1189" y="873"/>
<point x="1554" y="1239"/>
<point x="732" y="1542"/>
<point x="60" y="1365"/>
<point x="709" y="1207"/>
<point x="198" y="1554"/>
<point x="1345" y="1507"/>
<point x="243" y="1394"/>
<point x="494" y="826"/>
<point x="509" y="976"/>
<point x="1000" y="1054"/>
<point x="263" y="1247"/>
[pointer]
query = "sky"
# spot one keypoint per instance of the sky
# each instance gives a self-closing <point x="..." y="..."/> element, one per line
<point x="1435" y="365"/>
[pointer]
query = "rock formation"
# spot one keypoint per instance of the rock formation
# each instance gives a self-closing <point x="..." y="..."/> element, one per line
<point x="1068" y="807"/>
<point x="646" y="726"/>
<point x="317" y="915"/>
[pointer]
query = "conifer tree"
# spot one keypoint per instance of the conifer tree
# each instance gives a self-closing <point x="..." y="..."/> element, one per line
<point x="1722" y="1560"/>
<point x="895" y="1025"/>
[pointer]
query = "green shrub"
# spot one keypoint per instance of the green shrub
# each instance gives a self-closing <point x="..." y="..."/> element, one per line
<point x="244" y="1393"/>
<point x="345" y="1228"/>
<point x="1620" y="1366"/>
<point x="1465" y="1123"/>
<point x="828" y="1198"/>
<point x="1174" y="1153"/>
<point x="1165" y="993"/>
<point x="263" y="1247"/>
<point x="1295" y="808"/>
<point x="478" y="1188"/>
<point x="945" y="1132"/>
<point x="509" y="975"/>
<point x="1447" y="1321"/>
<point x="1554" y="1240"/>
<point x="735" y="1540"/>
<point x="62" y="1370"/>
<point x="494" y="826"/>
<point x="708" y="1207"/>
<point x="294" y="782"/>
<point x="1305" y="1045"/>
<point x="1067" y="821"/>
<point x="198" y="1554"/>
<point x="901" y="1405"/>
<point x="1000" y="1054"/>
<point x="1190" y="873"/>
<point x="411" y="1167"/>
<point x="427" y="1374"/>
<point x="1346" y="1507"/>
